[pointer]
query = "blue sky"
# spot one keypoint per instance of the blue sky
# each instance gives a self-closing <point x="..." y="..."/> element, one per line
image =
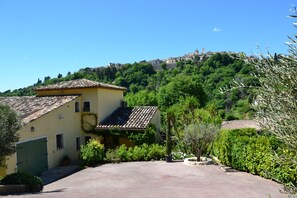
<point x="44" y="38"/>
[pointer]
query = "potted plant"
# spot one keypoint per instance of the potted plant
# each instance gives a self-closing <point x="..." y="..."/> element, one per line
<point x="65" y="161"/>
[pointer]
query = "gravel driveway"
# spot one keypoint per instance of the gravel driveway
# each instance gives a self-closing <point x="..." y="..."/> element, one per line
<point x="159" y="179"/>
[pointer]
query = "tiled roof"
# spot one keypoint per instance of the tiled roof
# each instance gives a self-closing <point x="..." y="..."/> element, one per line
<point x="30" y="108"/>
<point x="78" y="84"/>
<point x="128" y="118"/>
<point x="240" y="124"/>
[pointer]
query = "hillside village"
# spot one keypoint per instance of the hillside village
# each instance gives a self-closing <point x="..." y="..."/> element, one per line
<point x="172" y="61"/>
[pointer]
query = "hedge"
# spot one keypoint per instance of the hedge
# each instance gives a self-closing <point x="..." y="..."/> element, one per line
<point x="144" y="152"/>
<point x="258" y="153"/>
<point x="33" y="183"/>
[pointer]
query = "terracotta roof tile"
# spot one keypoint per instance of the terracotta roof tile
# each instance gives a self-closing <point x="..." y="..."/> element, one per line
<point x="30" y="108"/>
<point x="128" y="118"/>
<point x="78" y="84"/>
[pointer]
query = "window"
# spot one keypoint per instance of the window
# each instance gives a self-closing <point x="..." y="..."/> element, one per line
<point x="59" y="141"/>
<point x="87" y="106"/>
<point x="87" y="139"/>
<point x="77" y="107"/>
<point x="77" y="143"/>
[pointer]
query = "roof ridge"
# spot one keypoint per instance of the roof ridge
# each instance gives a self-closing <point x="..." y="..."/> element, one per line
<point x="78" y="84"/>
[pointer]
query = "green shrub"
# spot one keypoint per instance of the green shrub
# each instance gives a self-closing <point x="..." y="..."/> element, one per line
<point x="123" y="153"/>
<point x="286" y="167"/>
<point x="111" y="156"/>
<point x="33" y="183"/>
<point x="139" y="153"/>
<point x="144" y="152"/>
<point x="92" y="153"/>
<point x="156" y="152"/>
<point x="139" y="138"/>
<point x="246" y="150"/>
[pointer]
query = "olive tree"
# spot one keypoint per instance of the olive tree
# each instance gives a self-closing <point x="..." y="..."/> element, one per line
<point x="199" y="136"/>
<point x="276" y="101"/>
<point x="9" y="125"/>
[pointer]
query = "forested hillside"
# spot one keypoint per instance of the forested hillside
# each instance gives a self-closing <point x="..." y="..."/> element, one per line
<point x="191" y="85"/>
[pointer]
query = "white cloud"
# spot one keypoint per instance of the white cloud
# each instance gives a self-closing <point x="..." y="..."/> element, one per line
<point x="216" y="29"/>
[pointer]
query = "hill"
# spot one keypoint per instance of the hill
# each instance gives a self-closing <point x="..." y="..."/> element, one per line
<point x="193" y="77"/>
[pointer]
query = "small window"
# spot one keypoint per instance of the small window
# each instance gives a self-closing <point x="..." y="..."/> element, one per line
<point x="59" y="141"/>
<point x="87" y="106"/>
<point x="77" y="143"/>
<point x="77" y="107"/>
<point x="87" y="139"/>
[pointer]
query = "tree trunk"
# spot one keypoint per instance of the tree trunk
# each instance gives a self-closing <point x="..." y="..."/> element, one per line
<point x="198" y="155"/>
<point x="168" y="142"/>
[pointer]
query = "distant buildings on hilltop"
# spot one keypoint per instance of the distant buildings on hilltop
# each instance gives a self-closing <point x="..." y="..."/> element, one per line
<point x="171" y="62"/>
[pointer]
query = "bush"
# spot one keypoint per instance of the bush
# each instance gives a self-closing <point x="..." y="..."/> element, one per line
<point x="123" y="154"/>
<point x="148" y="137"/>
<point x="33" y="183"/>
<point x="156" y="152"/>
<point x="92" y="153"/>
<point x="144" y="152"/>
<point x="246" y="150"/>
<point x="111" y="156"/>
<point x="140" y="153"/>
<point x="198" y="137"/>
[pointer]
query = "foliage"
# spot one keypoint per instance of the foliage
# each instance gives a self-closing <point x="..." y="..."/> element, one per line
<point x="170" y="120"/>
<point x="156" y="152"/>
<point x="198" y="137"/>
<point x="246" y="150"/>
<point x="92" y="153"/>
<point x="179" y="88"/>
<point x="178" y="84"/>
<point x="88" y="122"/>
<point x="142" y="98"/>
<point x="33" y="183"/>
<point x="276" y="104"/>
<point x="112" y="156"/>
<point x="139" y="138"/>
<point x="143" y="152"/>
<point x="9" y="125"/>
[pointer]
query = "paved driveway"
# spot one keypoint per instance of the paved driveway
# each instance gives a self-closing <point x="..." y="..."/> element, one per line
<point x="159" y="179"/>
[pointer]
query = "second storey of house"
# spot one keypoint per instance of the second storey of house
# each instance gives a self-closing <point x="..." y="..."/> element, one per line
<point x="97" y="98"/>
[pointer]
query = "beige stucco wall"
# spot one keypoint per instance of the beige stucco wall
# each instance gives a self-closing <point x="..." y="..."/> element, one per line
<point x="59" y="121"/>
<point x="156" y="120"/>
<point x="108" y="101"/>
<point x="103" y="101"/>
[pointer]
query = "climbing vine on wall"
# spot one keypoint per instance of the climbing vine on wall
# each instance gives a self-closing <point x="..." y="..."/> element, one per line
<point x="147" y="136"/>
<point x="88" y="122"/>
